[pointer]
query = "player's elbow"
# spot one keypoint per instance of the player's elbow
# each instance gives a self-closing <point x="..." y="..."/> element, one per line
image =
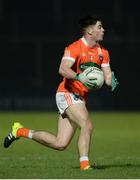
<point x="61" y="71"/>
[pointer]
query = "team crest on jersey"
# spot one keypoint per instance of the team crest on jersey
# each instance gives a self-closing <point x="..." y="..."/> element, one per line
<point x="100" y="57"/>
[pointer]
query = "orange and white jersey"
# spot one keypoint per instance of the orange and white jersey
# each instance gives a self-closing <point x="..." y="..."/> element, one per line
<point x="82" y="57"/>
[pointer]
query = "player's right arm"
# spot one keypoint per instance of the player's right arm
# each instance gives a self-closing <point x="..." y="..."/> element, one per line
<point x="65" y="69"/>
<point x="67" y="61"/>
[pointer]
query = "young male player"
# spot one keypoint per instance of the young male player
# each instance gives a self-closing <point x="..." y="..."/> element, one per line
<point x="72" y="92"/>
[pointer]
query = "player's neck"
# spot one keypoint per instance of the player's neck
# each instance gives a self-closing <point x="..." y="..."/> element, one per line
<point x="90" y="41"/>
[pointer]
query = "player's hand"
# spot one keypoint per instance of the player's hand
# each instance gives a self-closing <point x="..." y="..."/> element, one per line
<point x="82" y="77"/>
<point x="114" y="82"/>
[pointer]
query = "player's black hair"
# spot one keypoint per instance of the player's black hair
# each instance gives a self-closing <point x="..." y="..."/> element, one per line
<point x="88" y="20"/>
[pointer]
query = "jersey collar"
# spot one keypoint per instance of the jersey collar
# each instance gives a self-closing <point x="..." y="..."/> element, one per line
<point x="84" y="41"/>
<point x="86" y="44"/>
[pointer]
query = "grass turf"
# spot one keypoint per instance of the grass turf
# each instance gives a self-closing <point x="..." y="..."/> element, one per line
<point x="114" y="153"/>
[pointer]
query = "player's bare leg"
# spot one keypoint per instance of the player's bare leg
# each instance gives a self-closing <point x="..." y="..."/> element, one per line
<point x="60" y="141"/>
<point x="65" y="132"/>
<point x="76" y="114"/>
<point x="79" y="114"/>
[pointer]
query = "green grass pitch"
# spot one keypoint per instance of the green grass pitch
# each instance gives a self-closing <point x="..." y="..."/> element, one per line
<point x="114" y="153"/>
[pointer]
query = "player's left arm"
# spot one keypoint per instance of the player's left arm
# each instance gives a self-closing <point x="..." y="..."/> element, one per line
<point x="110" y="78"/>
<point x="107" y="75"/>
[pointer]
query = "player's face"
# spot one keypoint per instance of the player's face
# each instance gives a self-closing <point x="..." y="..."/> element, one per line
<point x="97" y="31"/>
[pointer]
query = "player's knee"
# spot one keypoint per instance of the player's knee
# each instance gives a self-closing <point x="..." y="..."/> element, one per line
<point x="88" y="126"/>
<point x="86" y="123"/>
<point x="61" y="146"/>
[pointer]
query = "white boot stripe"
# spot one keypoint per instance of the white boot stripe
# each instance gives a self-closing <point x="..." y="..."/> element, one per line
<point x="11" y="135"/>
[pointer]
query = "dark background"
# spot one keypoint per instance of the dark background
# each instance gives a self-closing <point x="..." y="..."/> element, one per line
<point x="33" y="35"/>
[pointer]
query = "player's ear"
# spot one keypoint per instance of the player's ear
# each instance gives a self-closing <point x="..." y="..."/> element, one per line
<point x="90" y="33"/>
